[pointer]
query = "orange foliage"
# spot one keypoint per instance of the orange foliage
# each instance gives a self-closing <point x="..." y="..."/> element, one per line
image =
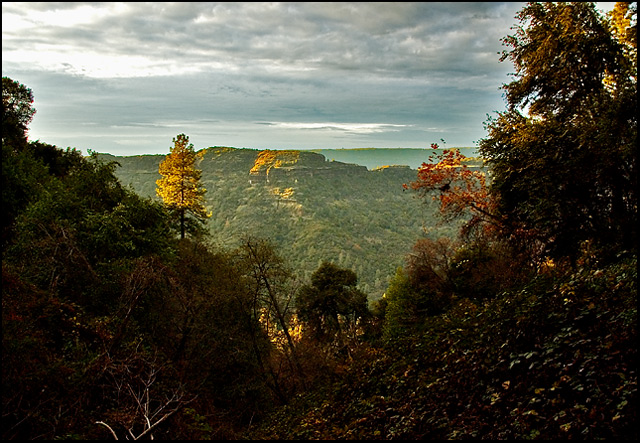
<point x="459" y="188"/>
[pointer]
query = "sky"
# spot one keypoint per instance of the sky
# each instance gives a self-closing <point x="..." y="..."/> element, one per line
<point x="127" y="78"/>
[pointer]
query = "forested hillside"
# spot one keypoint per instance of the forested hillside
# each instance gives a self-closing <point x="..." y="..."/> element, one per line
<point x="311" y="207"/>
<point x="122" y="319"/>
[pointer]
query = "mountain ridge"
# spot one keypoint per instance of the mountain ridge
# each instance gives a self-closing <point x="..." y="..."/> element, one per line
<point x="311" y="208"/>
<point x="374" y="158"/>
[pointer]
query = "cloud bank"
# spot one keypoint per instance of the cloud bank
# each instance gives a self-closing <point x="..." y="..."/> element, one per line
<point x="126" y="78"/>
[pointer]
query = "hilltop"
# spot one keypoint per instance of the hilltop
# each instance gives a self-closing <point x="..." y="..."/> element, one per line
<point x="374" y="158"/>
<point x="311" y="207"/>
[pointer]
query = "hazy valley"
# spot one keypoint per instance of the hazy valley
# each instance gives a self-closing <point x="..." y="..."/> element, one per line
<point x="311" y="207"/>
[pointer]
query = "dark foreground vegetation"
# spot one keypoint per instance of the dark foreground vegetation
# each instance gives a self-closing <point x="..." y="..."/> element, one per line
<point x="121" y="320"/>
<point x="556" y="359"/>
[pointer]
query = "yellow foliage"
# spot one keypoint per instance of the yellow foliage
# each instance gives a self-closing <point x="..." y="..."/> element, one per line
<point x="284" y="194"/>
<point x="268" y="159"/>
<point x="180" y="186"/>
<point x="276" y="334"/>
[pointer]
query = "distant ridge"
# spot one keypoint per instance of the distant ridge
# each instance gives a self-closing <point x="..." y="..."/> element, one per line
<point x="374" y="158"/>
<point x="371" y="158"/>
<point x="313" y="209"/>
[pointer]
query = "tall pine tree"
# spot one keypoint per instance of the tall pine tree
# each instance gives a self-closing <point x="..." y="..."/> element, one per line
<point x="180" y="186"/>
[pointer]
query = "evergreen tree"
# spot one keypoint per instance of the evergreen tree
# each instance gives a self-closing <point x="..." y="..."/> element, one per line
<point x="401" y="306"/>
<point x="332" y="296"/>
<point x="180" y="186"/>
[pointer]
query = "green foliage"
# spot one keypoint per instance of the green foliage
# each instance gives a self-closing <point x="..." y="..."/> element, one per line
<point x="17" y="112"/>
<point x="565" y="171"/>
<point x="313" y="209"/>
<point x="26" y="165"/>
<point x="81" y="225"/>
<point x="22" y="181"/>
<point x="332" y="302"/>
<point x="481" y="269"/>
<point x="429" y="271"/>
<point x="442" y="271"/>
<point x="401" y="310"/>
<point x="133" y="228"/>
<point x="551" y="361"/>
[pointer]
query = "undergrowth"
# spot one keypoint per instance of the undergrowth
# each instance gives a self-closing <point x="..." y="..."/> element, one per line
<point x="555" y="359"/>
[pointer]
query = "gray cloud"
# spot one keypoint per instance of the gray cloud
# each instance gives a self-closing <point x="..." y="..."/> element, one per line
<point x="125" y="77"/>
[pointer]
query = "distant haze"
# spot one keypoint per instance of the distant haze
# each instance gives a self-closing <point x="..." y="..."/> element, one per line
<point x="376" y="158"/>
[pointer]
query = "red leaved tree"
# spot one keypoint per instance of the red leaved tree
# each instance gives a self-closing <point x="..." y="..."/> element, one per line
<point x="461" y="189"/>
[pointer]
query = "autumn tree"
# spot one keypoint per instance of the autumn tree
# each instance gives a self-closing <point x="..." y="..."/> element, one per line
<point x="22" y="173"/>
<point x="180" y="187"/>
<point x="480" y="265"/>
<point x="460" y="187"/>
<point x="563" y="154"/>
<point x="270" y="287"/>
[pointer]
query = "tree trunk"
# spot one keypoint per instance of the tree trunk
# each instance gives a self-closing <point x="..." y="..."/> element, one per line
<point x="182" y="224"/>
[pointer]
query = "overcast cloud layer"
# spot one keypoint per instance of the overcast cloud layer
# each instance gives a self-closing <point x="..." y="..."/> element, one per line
<point x="126" y="78"/>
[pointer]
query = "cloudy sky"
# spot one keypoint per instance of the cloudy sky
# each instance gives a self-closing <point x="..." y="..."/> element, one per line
<point x="126" y="78"/>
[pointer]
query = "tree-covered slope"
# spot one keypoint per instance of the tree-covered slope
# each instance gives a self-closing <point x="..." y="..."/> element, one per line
<point x="312" y="208"/>
<point x="556" y="359"/>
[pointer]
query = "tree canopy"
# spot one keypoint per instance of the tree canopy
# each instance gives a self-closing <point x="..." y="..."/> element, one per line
<point x="563" y="155"/>
<point x="17" y="110"/>
<point x="331" y="301"/>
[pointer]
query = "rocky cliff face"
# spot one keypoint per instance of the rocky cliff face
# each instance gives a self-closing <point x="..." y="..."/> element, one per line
<point x="273" y="166"/>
